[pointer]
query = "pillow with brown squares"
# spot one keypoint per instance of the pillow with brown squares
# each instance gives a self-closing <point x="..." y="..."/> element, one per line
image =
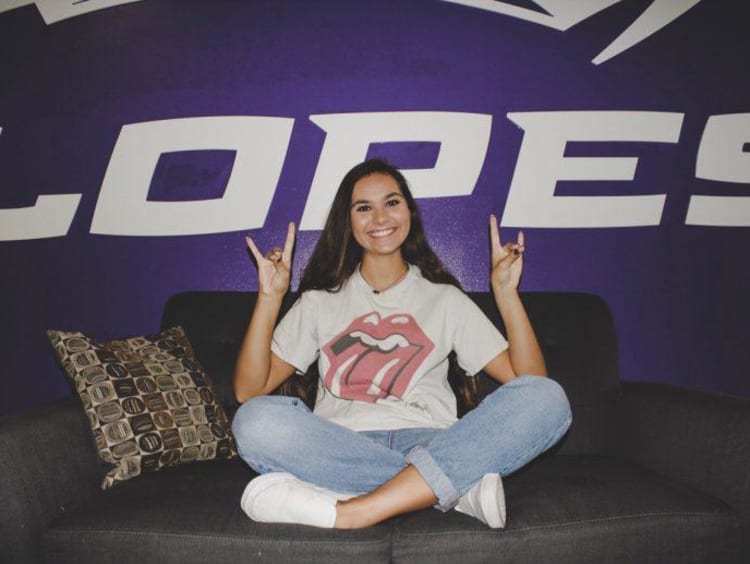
<point x="149" y="402"/>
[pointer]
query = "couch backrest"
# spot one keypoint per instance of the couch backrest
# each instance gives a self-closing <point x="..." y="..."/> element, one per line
<point x="579" y="343"/>
<point x="575" y="331"/>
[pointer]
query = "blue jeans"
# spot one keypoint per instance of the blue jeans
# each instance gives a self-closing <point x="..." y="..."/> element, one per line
<point x="510" y="427"/>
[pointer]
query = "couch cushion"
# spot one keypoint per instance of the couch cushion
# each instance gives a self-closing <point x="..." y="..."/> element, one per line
<point x="148" y="400"/>
<point x="192" y="514"/>
<point x="579" y="509"/>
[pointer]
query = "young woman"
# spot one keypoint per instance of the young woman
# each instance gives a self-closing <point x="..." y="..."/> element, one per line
<point x="380" y="315"/>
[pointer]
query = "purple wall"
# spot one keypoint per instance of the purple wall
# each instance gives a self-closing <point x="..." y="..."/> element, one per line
<point x="75" y="84"/>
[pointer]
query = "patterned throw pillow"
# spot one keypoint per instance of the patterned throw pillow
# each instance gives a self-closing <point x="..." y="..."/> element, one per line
<point x="148" y="400"/>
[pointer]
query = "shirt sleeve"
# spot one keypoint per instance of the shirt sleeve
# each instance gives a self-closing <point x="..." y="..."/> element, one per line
<point x="476" y="340"/>
<point x="295" y="339"/>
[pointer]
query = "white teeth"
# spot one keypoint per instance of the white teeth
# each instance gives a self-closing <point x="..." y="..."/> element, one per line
<point x="384" y="345"/>
<point x="382" y="232"/>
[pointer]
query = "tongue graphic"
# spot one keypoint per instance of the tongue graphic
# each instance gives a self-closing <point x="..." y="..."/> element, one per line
<point x="375" y="358"/>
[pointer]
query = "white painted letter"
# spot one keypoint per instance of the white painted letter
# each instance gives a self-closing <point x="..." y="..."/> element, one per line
<point x="51" y="216"/>
<point x="463" y="137"/>
<point x="260" y="144"/>
<point x="720" y="157"/>
<point x="541" y="163"/>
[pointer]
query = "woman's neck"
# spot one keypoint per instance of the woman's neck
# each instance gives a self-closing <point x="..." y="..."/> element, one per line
<point x="383" y="272"/>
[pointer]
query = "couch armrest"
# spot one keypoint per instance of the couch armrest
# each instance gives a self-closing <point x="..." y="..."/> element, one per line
<point x="699" y="438"/>
<point x="48" y="465"/>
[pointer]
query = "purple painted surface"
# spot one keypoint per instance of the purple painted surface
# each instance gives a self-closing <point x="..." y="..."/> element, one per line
<point x="678" y="292"/>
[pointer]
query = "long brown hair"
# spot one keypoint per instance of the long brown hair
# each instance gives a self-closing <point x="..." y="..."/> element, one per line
<point x="337" y="254"/>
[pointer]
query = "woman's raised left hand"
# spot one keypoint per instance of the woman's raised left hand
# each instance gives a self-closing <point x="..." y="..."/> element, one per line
<point x="507" y="260"/>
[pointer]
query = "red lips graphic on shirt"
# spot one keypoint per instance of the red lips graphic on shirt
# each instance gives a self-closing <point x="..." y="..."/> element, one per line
<point x="375" y="358"/>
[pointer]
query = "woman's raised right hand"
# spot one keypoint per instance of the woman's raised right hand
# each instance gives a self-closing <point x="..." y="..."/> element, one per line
<point x="274" y="268"/>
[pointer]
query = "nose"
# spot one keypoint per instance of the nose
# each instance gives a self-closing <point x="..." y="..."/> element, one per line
<point x="379" y="214"/>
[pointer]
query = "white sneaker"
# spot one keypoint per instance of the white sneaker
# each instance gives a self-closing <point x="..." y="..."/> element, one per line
<point x="279" y="497"/>
<point x="485" y="501"/>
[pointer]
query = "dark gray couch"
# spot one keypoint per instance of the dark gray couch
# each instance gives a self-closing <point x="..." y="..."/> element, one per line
<point x="647" y="473"/>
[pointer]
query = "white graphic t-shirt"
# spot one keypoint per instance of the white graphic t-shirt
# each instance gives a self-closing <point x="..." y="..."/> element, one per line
<point x="382" y="357"/>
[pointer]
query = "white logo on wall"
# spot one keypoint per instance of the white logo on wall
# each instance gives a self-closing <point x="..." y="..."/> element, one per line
<point x="556" y="14"/>
<point x="563" y="14"/>
<point x="261" y="143"/>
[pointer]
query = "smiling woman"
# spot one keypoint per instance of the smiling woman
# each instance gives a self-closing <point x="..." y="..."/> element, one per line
<point x="381" y="315"/>
<point x="380" y="221"/>
<point x="373" y="208"/>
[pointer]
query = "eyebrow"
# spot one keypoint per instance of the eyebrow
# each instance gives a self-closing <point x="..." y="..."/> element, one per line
<point x="386" y="197"/>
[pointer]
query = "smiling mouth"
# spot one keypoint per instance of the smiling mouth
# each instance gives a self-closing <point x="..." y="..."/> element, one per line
<point x="382" y="233"/>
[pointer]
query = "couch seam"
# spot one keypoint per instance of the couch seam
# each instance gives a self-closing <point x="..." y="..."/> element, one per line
<point x="573" y="523"/>
<point x="295" y="539"/>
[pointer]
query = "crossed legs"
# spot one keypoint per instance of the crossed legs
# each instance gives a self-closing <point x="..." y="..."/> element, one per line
<point x="395" y="472"/>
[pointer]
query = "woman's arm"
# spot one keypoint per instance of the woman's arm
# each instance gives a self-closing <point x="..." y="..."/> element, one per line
<point x="258" y="371"/>
<point x="524" y="355"/>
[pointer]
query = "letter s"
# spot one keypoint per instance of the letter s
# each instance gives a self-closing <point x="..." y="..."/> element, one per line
<point x="720" y="157"/>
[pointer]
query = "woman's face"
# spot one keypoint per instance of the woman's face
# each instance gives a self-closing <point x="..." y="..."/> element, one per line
<point x="379" y="214"/>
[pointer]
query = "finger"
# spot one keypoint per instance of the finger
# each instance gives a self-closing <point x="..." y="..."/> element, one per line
<point x="286" y="254"/>
<point x="520" y="246"/>
<point x="253" y="249"/>
<point x="495" y="239"/>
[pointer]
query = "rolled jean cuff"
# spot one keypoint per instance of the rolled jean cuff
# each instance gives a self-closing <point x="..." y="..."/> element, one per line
<point x="441" y="486"/>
